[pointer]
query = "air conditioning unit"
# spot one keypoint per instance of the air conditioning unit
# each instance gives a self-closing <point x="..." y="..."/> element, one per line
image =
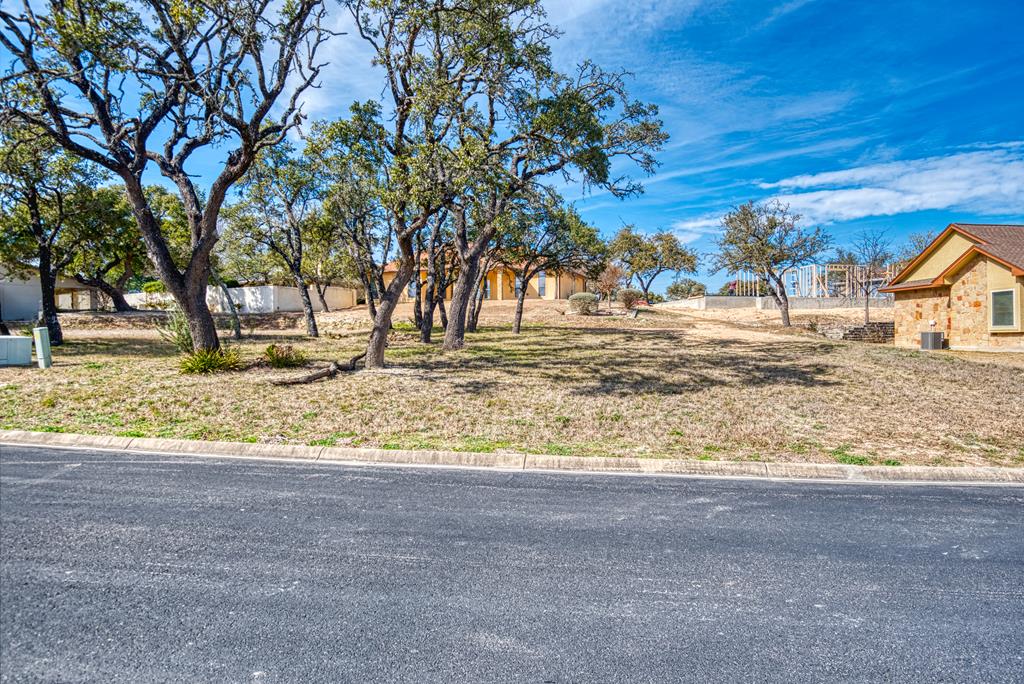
<point x="931" y="341"/>
<point x="15" y="350"/>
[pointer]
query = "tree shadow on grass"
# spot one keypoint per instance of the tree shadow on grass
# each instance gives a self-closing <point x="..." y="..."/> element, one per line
<point x="605" y="362"/>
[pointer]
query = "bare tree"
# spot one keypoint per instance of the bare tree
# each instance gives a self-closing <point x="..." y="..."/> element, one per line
<point x="873" y="251"/>
<point x="609" y="281"/>
<point x="129" y="84"/>
<point x="767" y="239"/>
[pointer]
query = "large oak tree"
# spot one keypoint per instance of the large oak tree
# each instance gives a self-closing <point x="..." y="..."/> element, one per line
<point x="134" y="84"/>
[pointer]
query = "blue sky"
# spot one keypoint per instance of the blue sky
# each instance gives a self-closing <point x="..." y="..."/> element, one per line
<point x="903" y="115"/>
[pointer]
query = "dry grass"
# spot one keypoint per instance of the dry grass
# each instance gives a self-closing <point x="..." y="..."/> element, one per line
<point x="799" y="317"/>
<point x="664" y="385"/>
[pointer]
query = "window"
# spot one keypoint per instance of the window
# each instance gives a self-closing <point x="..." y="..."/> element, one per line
<point x="519" y="285"/>
<point x="487" y="288"/>
<point x="542" y="278"/>
<point x="411" y="290"/>
<point x="1004" y="308"/>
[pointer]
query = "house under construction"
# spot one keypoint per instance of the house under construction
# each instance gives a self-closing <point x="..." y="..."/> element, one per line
<point x="819" y="281"/>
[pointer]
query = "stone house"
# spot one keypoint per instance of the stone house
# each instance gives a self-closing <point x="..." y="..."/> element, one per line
<point x="967" y="284"/>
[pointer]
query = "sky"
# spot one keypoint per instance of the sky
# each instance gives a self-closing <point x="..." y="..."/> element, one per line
<point x="897" y="115"/>
<point x="901" y="115"/>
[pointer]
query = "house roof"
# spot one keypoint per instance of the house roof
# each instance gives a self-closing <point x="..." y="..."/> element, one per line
<point x="1002" y="243"/>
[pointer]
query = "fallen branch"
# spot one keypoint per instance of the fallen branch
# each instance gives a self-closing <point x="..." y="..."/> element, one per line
<point x="328" y="372"/>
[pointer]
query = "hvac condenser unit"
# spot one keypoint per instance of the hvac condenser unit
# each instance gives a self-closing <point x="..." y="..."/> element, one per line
<point x="15" y="350"/>
<point x="931" y="341"/>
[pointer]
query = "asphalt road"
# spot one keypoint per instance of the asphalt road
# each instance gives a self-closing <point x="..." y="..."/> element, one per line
<point x="150" y="568"/>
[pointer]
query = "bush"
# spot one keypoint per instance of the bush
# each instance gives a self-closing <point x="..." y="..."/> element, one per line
<point x="583" y="303"/>
<point x="203" y="361"/>
<point x="630" y="297"/>
<point x="284" y="356"/>
<point x="153" y="287"/>
<point x="176" y="331"/>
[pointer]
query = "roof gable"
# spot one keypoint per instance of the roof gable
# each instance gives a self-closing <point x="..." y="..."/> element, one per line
<point x="953" y="247"/>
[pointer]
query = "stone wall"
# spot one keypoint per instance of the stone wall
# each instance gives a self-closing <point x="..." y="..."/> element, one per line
<point x="878" y="331"/>
<point x="959" y="311"/>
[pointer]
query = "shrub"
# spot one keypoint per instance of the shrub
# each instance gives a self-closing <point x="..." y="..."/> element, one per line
<point x="284" y="356"/>
<point x="153" y="287"/>
<point x="583" y="303"/>
<point x="175" y="330"/>
<point x="203" y="361"/>
<point x="630" y="297"/>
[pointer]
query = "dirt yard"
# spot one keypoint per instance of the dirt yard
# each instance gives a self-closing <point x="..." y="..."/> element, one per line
<point x="667" y="384"/>
<point x="799" y="317"/>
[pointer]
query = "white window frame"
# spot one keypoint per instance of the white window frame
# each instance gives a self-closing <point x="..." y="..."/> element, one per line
<point x="1015" y="309"/>
<point x="410" y="289"/>
<point x="542" y="283"/>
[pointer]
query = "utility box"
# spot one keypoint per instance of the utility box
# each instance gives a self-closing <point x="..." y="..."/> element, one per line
<point x="15" y="350"/>
<point x="931" y="341"/>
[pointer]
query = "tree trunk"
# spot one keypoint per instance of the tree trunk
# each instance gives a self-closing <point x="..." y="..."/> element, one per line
<point x="517" y="321"/>
<point x="455" y="333"/>
<point x="443" y="312"/>
<point x="116" y="296"/>
<point x="48" y="286"/>
<point x="388" y="303"/>
<point x="867" y="304"/>
<point x="371" y="305"/>
<point x="3" y="328"/>
<point x="321" y="292"/>
<point x="188" y="289"/>
<point x="200" y="321"/>
<point x="427" y="321"/>
<point x="307" y="305"/>
<point x="236" y="323"/>
<point x="368" y="288"/>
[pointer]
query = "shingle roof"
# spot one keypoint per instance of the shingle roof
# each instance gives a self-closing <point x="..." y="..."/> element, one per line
<point x="910" y="285"/>
<point x="1004" y="242"/>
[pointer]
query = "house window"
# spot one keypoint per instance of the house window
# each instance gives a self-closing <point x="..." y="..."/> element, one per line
<point x="487" y="288"/>
<point x="541" y="283"/>
<point x="519" y="285"/>
<point x="411" y="290"/>
<point x="1004" y="308"/>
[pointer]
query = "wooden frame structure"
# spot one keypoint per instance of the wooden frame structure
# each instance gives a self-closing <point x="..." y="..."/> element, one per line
<point x="818" y="281"/>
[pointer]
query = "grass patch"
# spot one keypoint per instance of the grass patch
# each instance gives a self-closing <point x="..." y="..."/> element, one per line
<point x="665" y="385"/>
<point x="207" y="361"/>
<point x="842" y="454"/>
<point x="332" y="439"/>
<point x="482" y="444"/>
<point x="284" y="356"/>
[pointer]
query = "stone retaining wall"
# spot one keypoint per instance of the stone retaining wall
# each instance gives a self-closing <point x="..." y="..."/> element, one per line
<point x="879" y="331"/>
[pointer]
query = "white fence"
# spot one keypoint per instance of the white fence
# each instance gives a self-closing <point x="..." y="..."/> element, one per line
<point x="255" y="299"/>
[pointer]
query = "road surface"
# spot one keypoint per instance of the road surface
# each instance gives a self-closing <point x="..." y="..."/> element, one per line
<point x="119" y="567"/>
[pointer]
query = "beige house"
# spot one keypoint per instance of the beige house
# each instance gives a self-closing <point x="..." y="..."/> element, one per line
<point x="967" y="284"/>
<point x="501" y="284"/>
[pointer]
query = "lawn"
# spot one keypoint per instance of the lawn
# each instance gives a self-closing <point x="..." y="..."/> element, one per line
<point x="664" y="385"/>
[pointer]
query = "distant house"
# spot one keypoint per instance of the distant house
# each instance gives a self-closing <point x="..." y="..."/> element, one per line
<point x="21" y="299"/>
<point x="500" y="283"/>
<point x="968" y="284"/>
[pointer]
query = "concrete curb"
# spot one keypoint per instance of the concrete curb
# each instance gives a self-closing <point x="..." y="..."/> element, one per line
<point x="519" y="461"/>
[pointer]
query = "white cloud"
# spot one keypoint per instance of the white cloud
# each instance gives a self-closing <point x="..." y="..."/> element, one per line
<point x="782" y="10"/>
<point x="692" y="230"/>
<point x="986" y="180"/>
